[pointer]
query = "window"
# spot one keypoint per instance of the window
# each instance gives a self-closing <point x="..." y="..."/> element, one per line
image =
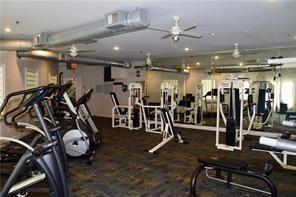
<point x="31" y="78"/>
<point x="2" y="85"/>
<point x="207" y="85"/>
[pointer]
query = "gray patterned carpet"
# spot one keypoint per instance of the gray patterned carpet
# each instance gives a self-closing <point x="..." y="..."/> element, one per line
<point x="123" y="168"/>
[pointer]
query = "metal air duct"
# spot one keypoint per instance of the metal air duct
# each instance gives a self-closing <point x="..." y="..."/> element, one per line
<point x="113" y="24"/>
<point x="14" y="45"/>
<point x="50" y="56"/>
<point x="163" y="69"/>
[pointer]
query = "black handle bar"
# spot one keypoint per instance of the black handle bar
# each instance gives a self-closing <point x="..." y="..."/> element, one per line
<point x="29" y="97"/>
<point x="85" y="98"/>
<point x="64" y="88"/>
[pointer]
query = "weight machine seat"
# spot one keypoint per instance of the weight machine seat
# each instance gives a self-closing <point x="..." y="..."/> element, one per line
<point x="224" y="163"/>
<point x="122" y="111"/>
<point x="260" y="147"/>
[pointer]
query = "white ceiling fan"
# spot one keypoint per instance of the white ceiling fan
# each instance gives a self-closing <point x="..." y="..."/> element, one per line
<point x="73" y="50"/>
<point x="236" y="53"/>
<point x="150" y="66"/>
<point x="175" y="32"/>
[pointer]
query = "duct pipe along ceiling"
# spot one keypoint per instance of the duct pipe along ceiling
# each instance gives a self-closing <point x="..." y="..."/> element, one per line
<point x="46" y="55"/>
<point x="114" y="23"/>
<point x="13" y="45"/>
<point x="124" y="22"/>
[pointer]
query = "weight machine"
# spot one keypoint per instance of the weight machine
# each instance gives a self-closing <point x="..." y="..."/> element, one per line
<point x="169" y="97"/>
<point x="234" y="136"/>
<point x="152" y="113"/>
<point x="263" y="98"/>
<point x="128" y="116"/>
<point x="194" y="113"/>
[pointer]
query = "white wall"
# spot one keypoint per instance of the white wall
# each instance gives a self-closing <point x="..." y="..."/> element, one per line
<point x="93" y="77"/>
<point x="14" y="77"/>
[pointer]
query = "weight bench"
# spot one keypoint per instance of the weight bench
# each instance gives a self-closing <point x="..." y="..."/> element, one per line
<point x="275" y="151"/>
<point x="230" y="166"/>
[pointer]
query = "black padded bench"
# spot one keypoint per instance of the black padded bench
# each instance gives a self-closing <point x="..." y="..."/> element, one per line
<point x="230" y="166"/>
<point x="220" y="162"/>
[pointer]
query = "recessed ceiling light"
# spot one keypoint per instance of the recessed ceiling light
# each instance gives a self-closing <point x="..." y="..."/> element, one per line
<point x="212" y="34"/>
<point x="216" y="57"/>
<point x="7" y="29"/>
<point x="241" y="64"/>
<point x="197" y="63"/>
<point x="116" y="48"/>
<point x="188" y="67"/>
<point x="186" y="49"/>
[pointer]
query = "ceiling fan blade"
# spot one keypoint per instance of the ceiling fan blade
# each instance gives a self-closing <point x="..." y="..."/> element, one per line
<point x="166" y="36"/>
<point x="159" y="29"/>
<point x="81" y="51"/>
<point x="190" y="28"/>
<point x="191" y="36"/>
<point x="58" y="50"/>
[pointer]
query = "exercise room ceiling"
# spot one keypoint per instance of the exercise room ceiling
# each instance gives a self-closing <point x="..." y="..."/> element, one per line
<point x="253" y="24"/>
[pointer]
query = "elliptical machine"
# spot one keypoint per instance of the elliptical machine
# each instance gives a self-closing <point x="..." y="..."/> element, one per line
<point x="82" y="140"/>
<point x="46" y="157"/>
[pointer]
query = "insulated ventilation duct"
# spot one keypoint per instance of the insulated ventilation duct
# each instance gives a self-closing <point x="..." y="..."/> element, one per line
<point x="15" y="45"/>
<point x="114" y="23"/>
<point x="50" y="56"/>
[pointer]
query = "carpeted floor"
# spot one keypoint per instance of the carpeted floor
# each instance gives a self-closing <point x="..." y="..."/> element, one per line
<point x="123" y="168"/>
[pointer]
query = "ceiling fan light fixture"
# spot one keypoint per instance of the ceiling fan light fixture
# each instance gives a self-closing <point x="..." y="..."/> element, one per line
<point x="73" y="53"/>
<point x="175" y="38"/>
<point x="236" y="53"/>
